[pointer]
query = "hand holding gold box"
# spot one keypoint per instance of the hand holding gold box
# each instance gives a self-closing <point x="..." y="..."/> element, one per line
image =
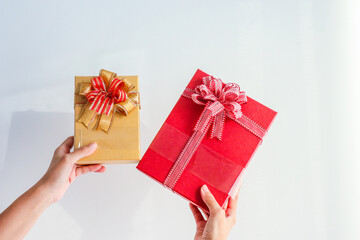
<point x="107" y="112"/>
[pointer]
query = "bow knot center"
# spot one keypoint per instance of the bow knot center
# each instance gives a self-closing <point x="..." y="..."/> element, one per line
<point x="228" y="95"/>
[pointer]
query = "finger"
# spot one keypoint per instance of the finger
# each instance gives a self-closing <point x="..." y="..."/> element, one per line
<point x="82" y="152"/>
<point x="101" y="170"/>
<point x="87" y="169"/>
<point x="72" y="175"/>
<point x="209" y="199"/>
<point x="196" y="213"/>
<point x="205" y="214"/>
<point x="65" y="146"/>
<point x="232" y="205"/>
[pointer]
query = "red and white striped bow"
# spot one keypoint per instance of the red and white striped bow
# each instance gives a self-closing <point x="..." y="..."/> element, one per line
<point x="228" y="94"/>
<point x="221" y="100"/>
<point x="102" y="100"/>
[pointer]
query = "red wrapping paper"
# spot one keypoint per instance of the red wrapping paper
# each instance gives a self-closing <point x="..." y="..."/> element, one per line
<point x="218" y="164"/>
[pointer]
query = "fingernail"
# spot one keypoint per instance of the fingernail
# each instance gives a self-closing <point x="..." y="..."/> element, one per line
<point x="205" y="188"/>
<point x="93" y="145"/>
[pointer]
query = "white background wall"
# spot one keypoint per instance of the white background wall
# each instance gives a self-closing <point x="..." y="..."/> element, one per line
<point x="299" y="57"/>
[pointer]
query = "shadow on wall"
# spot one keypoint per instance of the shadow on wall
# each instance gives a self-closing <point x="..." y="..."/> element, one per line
<point x="33" y="137"/>
<point x="93" y="201"/>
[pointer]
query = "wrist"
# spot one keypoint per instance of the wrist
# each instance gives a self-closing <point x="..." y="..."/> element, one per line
<point x="42" y="189"/>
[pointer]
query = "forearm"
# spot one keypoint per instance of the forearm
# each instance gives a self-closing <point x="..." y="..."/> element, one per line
<point x="17" y="220"/>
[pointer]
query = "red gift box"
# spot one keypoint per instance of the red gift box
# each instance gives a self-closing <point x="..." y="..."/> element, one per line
<point x="184" y="158"/>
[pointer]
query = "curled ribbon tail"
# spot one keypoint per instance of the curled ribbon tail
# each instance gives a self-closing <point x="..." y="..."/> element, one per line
<point x="87" y="115"/>
<point x="106" y="120"/>
<point x="218" y="125"/>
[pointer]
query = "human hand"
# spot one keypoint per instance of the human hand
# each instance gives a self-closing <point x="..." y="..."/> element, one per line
<point x="63" y="169"/>
<point x="218" y="224"/>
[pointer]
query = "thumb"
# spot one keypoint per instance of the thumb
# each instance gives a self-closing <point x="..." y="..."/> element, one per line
<point x="209" y="199"/>
<point x="82" y="152"/>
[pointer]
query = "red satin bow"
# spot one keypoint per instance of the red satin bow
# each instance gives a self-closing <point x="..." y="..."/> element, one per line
<point x="224" y="100"/>
<point x="102" y="100"/>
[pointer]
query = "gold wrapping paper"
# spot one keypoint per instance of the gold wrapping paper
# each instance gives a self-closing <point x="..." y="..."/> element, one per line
<point x="121" y="144"/>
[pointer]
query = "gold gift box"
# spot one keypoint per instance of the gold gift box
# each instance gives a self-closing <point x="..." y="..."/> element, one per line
<point x="121" y="144"/>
